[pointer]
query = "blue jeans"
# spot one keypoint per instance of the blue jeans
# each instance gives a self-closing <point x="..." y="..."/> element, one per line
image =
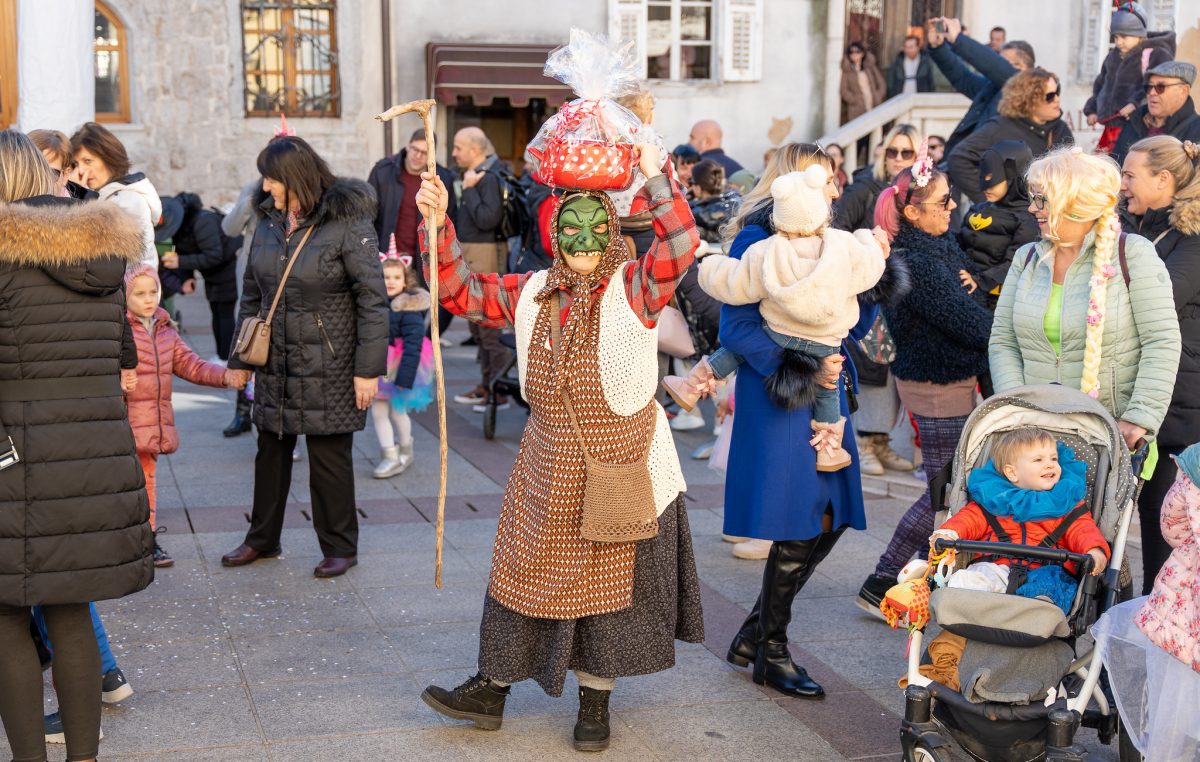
<point x="827" y="407"/>
<point x="107" y="661"/>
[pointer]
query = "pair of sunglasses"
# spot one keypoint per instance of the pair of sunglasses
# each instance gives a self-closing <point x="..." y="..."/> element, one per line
<point x="943" y="203"/>
<point x="1053" y="96"/>
<point x="1161" y="87"/>
<point x="903" y="153"/>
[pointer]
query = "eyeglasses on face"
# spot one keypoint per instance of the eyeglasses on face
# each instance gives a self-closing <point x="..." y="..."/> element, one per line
<point x="1159" y="88"/>
<point x="1053" y="94"/>
<point x="1039" y="200"/>
<point x="943" y="202"/>
<point x="902" y="153"/>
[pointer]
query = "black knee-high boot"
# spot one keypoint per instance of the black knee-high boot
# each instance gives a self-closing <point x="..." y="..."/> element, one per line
<point x="788" y="567"/>
<point x="745" y="643"/>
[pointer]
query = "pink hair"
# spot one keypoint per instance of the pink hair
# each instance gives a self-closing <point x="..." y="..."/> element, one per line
<point x="141" y="268"/>
<point x="886" y="214"/>
<point x="890" y="202"/>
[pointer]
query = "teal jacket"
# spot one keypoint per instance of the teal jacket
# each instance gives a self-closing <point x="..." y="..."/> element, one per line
<point x="1140" y="354"/>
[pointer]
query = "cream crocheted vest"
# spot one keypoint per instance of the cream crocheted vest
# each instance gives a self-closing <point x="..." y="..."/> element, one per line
<point x="628" y="359"/>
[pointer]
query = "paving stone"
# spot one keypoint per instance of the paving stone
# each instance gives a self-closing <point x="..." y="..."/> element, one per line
<point x="178" y="720"/>
<point x="419" y="604"/>
<point x="547" y="739"/>
<point x="445" y="646"/>
<point x="318" y="655"/>
<point x="191" y="664"/>
<point x="269" y="614"/>
<point x="332" y="707"/>
<point x="410" y="746"/>
<point x="151" y="620"/>
<point x="413" y="568"/>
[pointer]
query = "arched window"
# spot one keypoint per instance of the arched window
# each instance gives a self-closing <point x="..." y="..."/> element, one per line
<point x="290" y="57"/>
<point x="111" y="67"/>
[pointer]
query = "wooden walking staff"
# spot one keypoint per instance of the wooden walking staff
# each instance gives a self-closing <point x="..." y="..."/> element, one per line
<point x="426" y="109"/>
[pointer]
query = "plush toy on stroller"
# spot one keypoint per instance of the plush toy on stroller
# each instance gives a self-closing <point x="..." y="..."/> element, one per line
<point x="1011" y="677"/>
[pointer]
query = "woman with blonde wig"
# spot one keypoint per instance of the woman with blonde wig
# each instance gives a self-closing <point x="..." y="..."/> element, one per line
<point x="1088" y="306"/>
<point x="1160" y="183"/>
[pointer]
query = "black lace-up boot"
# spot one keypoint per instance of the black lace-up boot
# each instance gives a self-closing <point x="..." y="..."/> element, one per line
<point x="479" y="700"/>
<point x="591" y="727"/>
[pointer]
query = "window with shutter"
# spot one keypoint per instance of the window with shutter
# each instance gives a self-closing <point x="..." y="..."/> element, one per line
<point x="627" y="23"/>
<point x="741" y="41"/>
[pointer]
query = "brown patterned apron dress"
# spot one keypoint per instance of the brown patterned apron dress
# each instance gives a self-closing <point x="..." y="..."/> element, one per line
<point x="556" y="601"/>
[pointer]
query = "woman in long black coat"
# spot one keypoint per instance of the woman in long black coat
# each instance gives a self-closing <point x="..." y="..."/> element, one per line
<point x="328" y="345"/>
<point x="1161" y="184"/>
<point x="74" y="518"/>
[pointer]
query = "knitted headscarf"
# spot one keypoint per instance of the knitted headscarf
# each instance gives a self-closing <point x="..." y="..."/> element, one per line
<point x="561" y="276"/>
<point x="1085" y="187"/>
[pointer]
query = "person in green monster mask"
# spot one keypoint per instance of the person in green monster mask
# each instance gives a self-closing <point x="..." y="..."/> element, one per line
<point x="567" y="590"/>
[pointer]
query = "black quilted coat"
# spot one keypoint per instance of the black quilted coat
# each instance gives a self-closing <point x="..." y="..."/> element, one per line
<point x="332" y="321"/>
<point x="74" y="518"/>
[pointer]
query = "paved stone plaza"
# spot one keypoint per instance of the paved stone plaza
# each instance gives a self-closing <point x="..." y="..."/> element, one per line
<point x="267" y="663"/>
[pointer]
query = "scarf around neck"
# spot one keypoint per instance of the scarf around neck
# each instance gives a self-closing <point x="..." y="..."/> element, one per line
<point x="560" y="277"/>
<point x="1000" y="497"/>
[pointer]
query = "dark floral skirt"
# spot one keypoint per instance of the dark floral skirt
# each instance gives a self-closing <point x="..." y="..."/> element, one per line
<point x="639" y="640"/>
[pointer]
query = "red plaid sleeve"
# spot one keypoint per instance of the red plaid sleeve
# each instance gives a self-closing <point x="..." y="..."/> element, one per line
<point x="489" y="299"/>
<point x="651" y="282"/>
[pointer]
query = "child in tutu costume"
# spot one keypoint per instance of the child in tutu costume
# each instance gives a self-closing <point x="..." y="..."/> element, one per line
<point x="407" y="385"/>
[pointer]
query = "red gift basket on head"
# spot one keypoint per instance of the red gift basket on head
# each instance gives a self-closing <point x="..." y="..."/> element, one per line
<point x="589" y="143"/>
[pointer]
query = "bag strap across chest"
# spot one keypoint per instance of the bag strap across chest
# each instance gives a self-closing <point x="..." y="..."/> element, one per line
<point x="556" y="348"/>
<point x="286" y="271"/>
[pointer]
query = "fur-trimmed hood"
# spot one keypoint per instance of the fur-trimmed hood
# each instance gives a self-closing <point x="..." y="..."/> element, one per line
<point x="52" y="231"/>
<point x="415" y="300"/>
<point x="347" y="200"/>
<point x="1185" y="216"/>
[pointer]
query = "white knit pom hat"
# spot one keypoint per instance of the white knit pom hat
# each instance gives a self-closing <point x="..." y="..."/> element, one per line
<point x="800" y="204"/>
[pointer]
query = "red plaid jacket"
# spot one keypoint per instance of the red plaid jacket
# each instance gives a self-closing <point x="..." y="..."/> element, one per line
<point x="491" y="299"/>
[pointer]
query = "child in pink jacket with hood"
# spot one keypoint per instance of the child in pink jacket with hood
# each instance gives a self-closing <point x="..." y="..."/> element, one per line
<point x="162" y="354"/>
<point x="1151" y="645"/>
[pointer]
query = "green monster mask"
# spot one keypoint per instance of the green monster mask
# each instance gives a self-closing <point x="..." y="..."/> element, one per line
<point x="583" y="227"/>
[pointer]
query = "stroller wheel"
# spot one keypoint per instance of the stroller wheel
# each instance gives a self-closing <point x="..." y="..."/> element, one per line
<point x="489" y="418"/>
<point x="923" y="753"/>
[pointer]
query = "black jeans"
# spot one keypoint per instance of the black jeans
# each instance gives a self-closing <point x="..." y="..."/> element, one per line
<point x="331" y="482"/>
<point x="224" y="321"/>
<point x="76" y="680"/>
<point x="1155" y="549"/>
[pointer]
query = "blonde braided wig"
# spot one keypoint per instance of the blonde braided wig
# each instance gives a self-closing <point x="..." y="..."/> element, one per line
<point x="1081" y="186"/>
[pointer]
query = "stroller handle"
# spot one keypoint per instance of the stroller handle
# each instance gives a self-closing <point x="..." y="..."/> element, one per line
<point x="1082" y="561"/>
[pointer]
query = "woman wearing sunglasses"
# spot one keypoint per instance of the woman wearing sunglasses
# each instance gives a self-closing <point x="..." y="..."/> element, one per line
<point x="941" y="332"/>
<point x="1030" y="110"/>
<point x="1087" y="306"/>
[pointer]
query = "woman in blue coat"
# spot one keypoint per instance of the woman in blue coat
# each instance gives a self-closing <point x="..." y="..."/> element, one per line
<point x="772" y="489"/>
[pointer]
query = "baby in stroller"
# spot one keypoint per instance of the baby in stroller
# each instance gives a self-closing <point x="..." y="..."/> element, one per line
<point x="1041" y="493"/>
<point x="1030" y="492"/>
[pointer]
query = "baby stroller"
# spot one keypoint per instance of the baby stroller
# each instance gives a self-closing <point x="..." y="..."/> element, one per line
<point x="503" y="384"/>
<point x="938" y="719"/>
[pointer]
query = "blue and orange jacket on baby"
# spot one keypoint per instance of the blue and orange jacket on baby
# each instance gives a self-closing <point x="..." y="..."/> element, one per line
<point x="1029" y="516"/>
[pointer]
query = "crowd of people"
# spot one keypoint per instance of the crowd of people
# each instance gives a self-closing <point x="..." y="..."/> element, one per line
<point x="822" y="311"/>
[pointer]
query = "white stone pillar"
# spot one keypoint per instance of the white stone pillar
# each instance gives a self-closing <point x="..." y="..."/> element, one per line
<point x="55" y="81"/>
<point x="835" y="43"/>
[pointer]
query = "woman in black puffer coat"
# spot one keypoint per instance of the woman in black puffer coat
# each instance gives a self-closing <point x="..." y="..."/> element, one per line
<point x="328" y="344"/>
<point x="1168" y="213"/>
<point x="74" y="518"/>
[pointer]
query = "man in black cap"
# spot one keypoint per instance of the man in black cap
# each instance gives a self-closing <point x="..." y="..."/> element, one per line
<point x="1168" y="109"/>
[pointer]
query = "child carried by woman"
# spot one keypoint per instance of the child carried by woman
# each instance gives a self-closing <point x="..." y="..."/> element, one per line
<point x="807" y="277"/>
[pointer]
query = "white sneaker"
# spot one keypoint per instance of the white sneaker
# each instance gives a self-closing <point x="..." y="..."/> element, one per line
<point x="733" y="538"/>
<point x="752" y="550"/>
<point x="686" y="421"/>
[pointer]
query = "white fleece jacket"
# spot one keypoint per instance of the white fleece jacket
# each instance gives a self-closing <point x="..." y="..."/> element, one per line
<point x="137" y="196"/>
<point x="804" y="290"/>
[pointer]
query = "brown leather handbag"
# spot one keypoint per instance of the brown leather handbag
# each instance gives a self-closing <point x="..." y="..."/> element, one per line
<point x="618" y="498"/>
<point x="254" y="339"/>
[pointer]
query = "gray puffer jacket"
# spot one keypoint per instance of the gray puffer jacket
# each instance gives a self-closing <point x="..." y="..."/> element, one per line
<point x="332" y="321"/>
<point x="1140" y="351"/>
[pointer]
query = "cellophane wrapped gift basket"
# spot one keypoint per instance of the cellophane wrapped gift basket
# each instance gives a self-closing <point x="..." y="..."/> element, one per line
<point x="589" y="143"/>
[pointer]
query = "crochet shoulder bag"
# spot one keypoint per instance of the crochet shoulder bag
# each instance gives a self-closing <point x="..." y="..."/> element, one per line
<point x="618" y="498"/>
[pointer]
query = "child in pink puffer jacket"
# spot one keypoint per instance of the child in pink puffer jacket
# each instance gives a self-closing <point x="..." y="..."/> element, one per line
<point x="162" y="355"/>
<point x="1171" y="616"/>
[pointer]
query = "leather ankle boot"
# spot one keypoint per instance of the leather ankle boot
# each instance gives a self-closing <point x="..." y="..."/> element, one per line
<point x="788" y="568"/>
<point x="478" y="699"/>
<point x="241" y="416"/>
<point x="591" y="726"/>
